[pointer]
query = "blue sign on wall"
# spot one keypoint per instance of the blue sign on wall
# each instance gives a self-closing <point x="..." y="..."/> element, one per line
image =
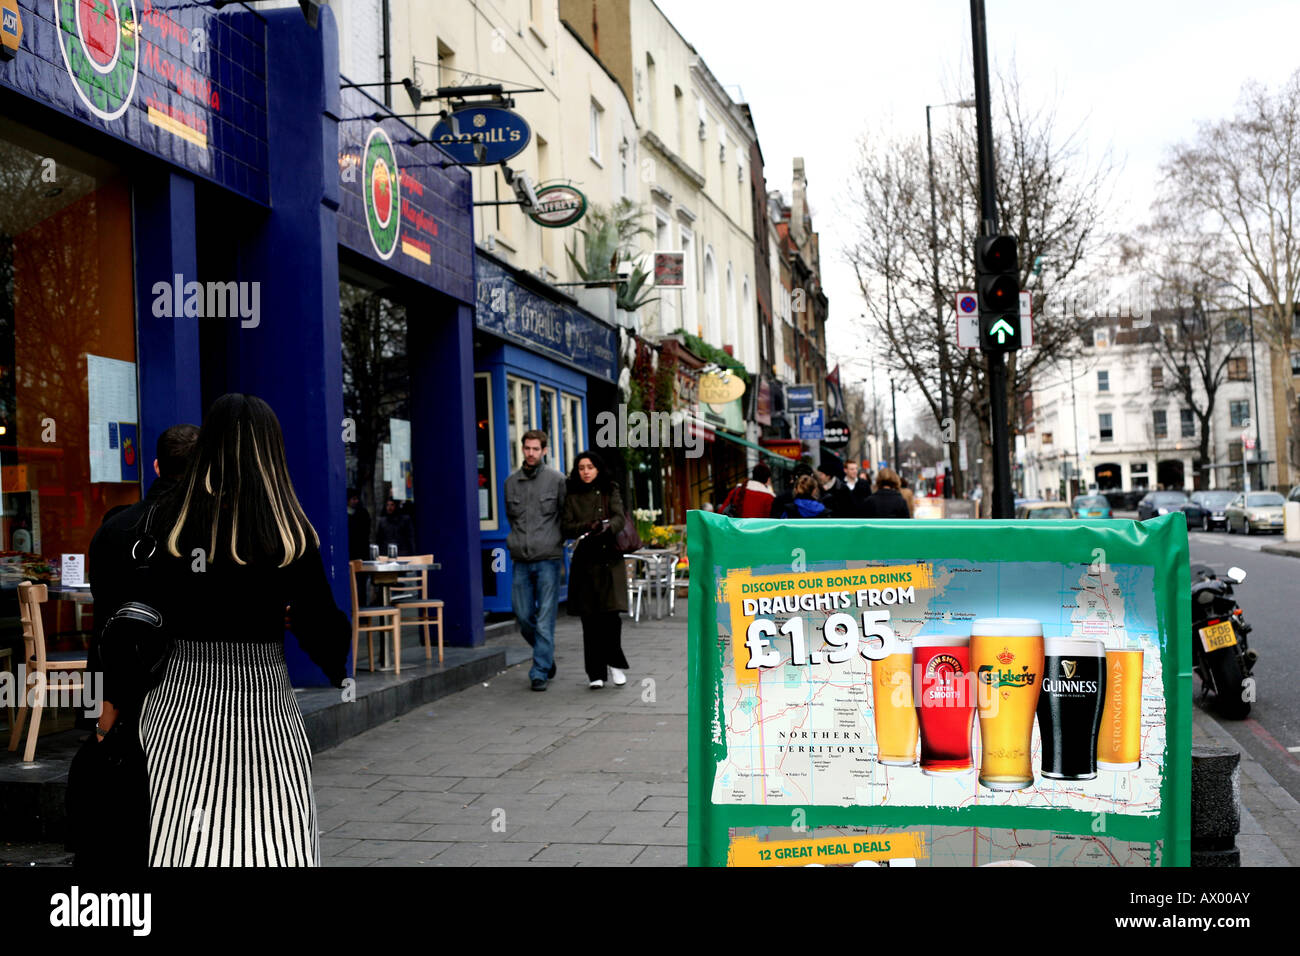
<point x="560" y="331"/>
<point x="180" y="81"/>
<point x="812" y="425"/>
<point x="503" y="134"/>
<point x="799" y="398"/>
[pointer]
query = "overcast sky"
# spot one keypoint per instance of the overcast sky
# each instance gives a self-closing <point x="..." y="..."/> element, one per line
<point x="1137" y="76"/>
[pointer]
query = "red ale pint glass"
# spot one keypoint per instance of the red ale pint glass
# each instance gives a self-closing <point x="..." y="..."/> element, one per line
<point x="945" y="703"/>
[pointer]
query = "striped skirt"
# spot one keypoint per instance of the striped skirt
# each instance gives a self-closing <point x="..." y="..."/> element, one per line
<point x="229" y="762"/>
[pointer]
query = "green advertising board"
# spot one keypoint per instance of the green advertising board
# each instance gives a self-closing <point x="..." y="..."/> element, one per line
<point x="881" y="692"/>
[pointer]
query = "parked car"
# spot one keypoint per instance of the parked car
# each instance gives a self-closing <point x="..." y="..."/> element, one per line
<point x="1258" y="511"/>
<point x="1091" y="506"/>
<point x="1295" y="494"/>
<point x="1044" y="509"/>
<point x="1160" y="503"/>
<point x="1212" y="505"/>
<point x="1123" y="500"/>
<point x="1023" y="501"/>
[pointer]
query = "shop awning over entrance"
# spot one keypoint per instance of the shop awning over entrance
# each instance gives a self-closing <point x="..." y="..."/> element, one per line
<point x="773" y="459"/>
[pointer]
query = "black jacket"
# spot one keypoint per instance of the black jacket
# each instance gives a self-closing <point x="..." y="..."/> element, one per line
<point x="886" y="503"/>
<point x="839" y="500"/>
<point x="359" y="534"/>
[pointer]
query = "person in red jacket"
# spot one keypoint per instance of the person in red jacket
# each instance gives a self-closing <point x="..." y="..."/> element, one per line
<point x="754" y="498"/>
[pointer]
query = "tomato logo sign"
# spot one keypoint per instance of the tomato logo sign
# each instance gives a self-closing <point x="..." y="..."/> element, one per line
<point x="382" y="193"/>
<point x="100" y="41"/>
<point x="128" y="452"/>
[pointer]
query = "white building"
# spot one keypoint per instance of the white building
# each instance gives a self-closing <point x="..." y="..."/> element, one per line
<point x="1116" y="412"/>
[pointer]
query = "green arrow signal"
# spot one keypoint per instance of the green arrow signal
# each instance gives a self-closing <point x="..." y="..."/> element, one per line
<point x="1001" y="329"/>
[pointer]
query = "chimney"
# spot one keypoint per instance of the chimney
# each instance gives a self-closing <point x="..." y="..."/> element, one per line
<point x="799" y="203"/>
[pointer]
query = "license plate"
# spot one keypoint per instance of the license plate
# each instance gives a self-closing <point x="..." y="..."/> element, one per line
<point x="1218" y="636"/>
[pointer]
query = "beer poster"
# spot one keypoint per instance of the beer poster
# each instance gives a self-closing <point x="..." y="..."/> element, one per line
<point x="939" y="693"/>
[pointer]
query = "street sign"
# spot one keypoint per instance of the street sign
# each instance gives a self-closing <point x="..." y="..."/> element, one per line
<point x="837" y="434"/>
<point x="1249" y="443"/>
<point x="811" y="425"/>
<point x="968" y="320"/>
<point x="799" y="398"/>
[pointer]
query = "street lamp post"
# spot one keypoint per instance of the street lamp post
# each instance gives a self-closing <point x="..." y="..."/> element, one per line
<point x="1254" y="385"/>
<point x="934" y="261"/>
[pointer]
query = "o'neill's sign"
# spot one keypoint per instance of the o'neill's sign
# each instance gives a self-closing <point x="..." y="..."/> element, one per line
<point x="482" y="135"/>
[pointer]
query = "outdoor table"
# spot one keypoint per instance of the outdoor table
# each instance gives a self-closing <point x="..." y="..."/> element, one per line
<point x="385" y="573"/>
<point x="662" y="561"/>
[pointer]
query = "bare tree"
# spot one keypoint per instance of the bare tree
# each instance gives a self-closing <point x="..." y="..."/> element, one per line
<point x="1240" y="177"/>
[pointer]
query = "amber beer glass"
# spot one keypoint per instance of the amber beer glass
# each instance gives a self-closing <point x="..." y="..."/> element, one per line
<point x="1119" y="745"/>
<point x="1006" y="654"/>
<point x="945" y="705"/>
<point x="895" y="712"/>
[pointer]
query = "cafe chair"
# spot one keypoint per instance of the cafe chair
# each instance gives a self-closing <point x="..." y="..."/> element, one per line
<point x="638" y="578"/>
<point x="42" y="662"/>
<point x="412" y="591"/>
<point x="387" y="618"/>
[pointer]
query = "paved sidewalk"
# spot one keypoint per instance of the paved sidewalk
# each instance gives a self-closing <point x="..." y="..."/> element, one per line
<point x="500" y="775"/>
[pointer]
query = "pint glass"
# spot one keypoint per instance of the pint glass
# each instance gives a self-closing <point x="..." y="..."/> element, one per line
<point x="895" y="712"/>
<point x="1069" y="706"/>
<point x="1119" y="745"/>
<point x="945" y="706"/>
<point x="1006" y="654"/>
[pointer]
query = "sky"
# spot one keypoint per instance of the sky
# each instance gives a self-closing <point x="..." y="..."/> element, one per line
<point x="1133" y="77"/>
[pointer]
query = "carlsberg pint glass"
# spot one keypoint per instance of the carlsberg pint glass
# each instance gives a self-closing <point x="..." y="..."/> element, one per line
<point x="945" y="706"/>
<point x="1119" y="745"/>
<point x="895" y="712"/>
<point x="1069" y="706"/>
<point x="1006" y="654"/>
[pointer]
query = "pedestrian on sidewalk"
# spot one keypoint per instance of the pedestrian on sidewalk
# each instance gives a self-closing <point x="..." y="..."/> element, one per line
<point x="887" y="502"/>
<point x="753" y="498"/>
<point x="394" y="527"/>
<point x="229" y="762"/>
<point x="782" y="501"/>
<point x="805" y="503"/>
<point x="534" y="501"/>
<point x="593" y="513"/>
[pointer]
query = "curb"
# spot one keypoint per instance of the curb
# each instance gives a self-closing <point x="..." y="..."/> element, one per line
<point x="1282" y="550"/>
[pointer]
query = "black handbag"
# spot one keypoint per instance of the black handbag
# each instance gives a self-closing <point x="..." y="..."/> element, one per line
<point x="107" y="801"/>
<point x="135" y="644"/>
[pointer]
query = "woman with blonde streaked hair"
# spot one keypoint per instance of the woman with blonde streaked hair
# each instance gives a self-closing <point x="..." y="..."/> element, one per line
<point x="227" y="753"/>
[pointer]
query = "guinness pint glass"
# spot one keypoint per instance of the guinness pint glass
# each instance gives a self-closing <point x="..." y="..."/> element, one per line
<point x="1119" y="744"/>
<point x="1069" y="706"/>
<point x="945" y="705"/>
<point x="894" y="709"/>
<point x="1006" y="654"/>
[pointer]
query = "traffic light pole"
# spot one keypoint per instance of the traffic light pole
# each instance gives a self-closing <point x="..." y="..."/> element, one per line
<point x="1002" y="498"/>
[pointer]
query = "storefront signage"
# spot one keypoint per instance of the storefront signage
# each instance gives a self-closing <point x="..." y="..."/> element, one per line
<point x="670" y="270"/>
<point x="799" y="398"/>
<point x="558" y="205"/>
<point x="763" y="402"/>
<point x="11" y="29"/>
<point x="720" y="387"/>
<point x="837" y="434"/>
<point x="510" y="310"/>
<point x="791" y="448"/>
<point x="389" y="190"/>
<point x="501" y="133"/>
<point x="183" y="82"/>
<point x="812" y="425"/>
<point x="833" y="706"/>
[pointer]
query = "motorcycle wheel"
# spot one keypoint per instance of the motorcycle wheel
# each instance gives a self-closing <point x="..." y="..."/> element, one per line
<point x="1225" y="669"/>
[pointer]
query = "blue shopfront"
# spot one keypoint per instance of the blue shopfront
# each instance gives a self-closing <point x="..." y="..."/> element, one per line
<point x="540" y="362"/>
<point x="174" y="222"/>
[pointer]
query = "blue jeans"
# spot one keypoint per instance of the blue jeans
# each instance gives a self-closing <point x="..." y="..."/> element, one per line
<point x="535" y="593"/>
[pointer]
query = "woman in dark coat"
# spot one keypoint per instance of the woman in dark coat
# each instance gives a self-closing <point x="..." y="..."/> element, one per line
<point x="593" y="513"/>
<point x="805" y="503"/>
<point x="887" y="502"/>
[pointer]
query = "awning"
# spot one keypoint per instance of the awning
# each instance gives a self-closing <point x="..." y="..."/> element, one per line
<point x="771" y="455"/>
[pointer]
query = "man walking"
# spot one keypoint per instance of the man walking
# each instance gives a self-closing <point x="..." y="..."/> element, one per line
<point x="534" y="501"/>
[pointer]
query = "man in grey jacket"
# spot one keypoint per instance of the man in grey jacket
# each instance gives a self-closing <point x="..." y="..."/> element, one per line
<point x="534" y="501"/>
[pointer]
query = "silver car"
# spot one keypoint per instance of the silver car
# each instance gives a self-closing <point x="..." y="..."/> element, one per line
<point x="1256" y="512"/>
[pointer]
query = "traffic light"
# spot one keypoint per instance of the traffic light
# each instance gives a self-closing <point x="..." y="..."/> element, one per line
<point x="997" y="276"/>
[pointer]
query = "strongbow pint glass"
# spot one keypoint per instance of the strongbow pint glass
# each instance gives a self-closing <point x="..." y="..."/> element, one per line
<point x="1119" y="745"/>
<point x="1069" y="706"/>
<point x="894" y="709"/>
<point x="1006" y="654"/>
<point x="945" y="705"/>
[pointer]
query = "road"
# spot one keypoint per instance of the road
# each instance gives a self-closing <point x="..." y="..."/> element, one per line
<point x="1269" y="599"/>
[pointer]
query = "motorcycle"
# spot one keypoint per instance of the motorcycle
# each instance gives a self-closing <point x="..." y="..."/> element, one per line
<point x="1221" y="655"/>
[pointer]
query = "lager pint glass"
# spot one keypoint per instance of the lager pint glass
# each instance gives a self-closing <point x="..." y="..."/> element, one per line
<point x="1119" y="745"/>
<point x="895" y="712"/>
<point x="1069" y="706"/>
<point x="1006" y="654"/>
<point x="945" y="707"/>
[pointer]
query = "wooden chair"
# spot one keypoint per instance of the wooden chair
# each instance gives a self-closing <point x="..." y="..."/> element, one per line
<point x="42" y="662"/>
<point x="7" y="666"/>
<point x="387" y="618"/>
<point x="412" y="591"/>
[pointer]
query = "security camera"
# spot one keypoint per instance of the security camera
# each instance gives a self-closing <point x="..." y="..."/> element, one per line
<point x="524" y="191"/>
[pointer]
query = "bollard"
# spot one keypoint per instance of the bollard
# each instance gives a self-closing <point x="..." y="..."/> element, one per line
<point x="1291" y="519"/>
<point x="1216" y="806"/>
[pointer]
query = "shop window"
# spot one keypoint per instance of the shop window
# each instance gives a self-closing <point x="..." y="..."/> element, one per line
<point x="549" y="418"/>
<point x="487" y="466"/>
<point x="573" y="441"/>
<point x="70" y="435"/>
<point x="519" y="400"/>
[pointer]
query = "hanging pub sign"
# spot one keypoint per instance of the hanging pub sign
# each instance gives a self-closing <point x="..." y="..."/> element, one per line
<point x="670" y="270"/>
<point x="721" y="386"/>
<point x="558" y="205"/>
<point x="502" y="133"/>
<point x="837" y="434"/>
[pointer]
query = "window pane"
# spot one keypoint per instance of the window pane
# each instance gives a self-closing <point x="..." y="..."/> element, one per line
<point x="547" y="424"/>
<point x="1103" y="381"/>
<point x="487" y="485"/>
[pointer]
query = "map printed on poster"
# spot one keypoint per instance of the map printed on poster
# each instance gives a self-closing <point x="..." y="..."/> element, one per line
<point x="113" y="418"/>
<point x="891" y="693"/>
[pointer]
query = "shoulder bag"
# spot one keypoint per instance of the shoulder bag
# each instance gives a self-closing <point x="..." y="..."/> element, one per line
<point x="136" y="644"/>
